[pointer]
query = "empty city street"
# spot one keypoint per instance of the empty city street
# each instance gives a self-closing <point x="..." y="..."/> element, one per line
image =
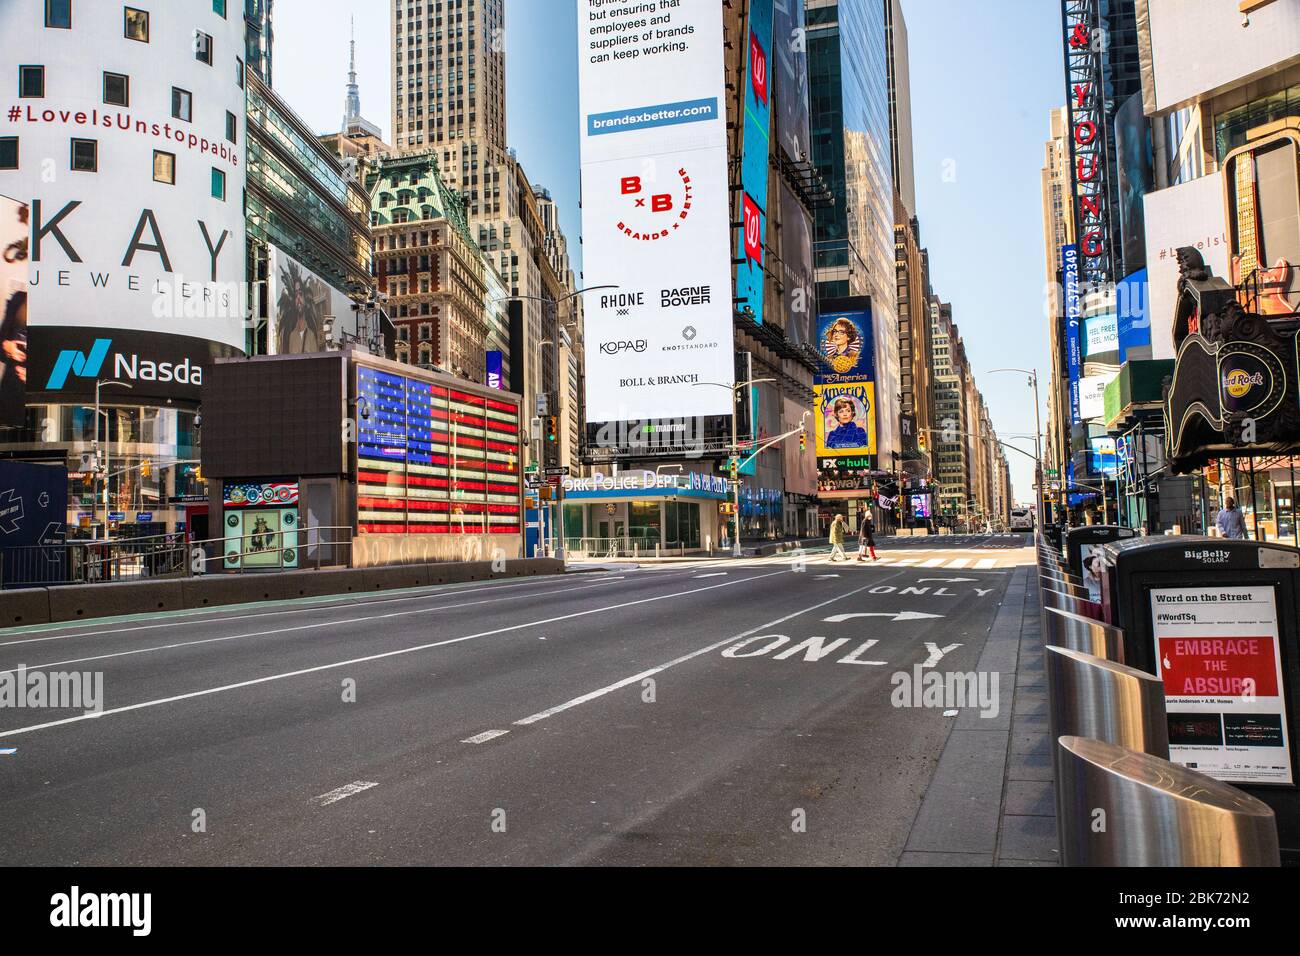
<point x="698" y="712"/>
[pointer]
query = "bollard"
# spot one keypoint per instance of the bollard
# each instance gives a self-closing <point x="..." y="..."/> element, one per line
<point x="1125" y="808"/>
<point x="1078" y="633"/>
<point x="1088" y="696"/>
<point x="1062" y="585"/>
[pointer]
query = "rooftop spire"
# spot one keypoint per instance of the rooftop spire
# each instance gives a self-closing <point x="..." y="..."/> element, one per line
<point x="352" y="105"/>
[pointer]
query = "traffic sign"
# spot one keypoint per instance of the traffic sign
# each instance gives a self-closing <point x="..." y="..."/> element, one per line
<point x="117" y="516"/>
<point x="144" y="517"/>
<point x="553" y="471"/>
<point x="554" y="480"/>
<point x="532" y="481"/>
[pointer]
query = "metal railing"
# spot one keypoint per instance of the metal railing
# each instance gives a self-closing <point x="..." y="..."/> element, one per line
<point x="98" y="561"/>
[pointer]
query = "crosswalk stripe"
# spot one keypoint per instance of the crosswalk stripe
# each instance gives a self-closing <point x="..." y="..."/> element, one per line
<point x="985" y="564"/>
<point x="906" y="561"/>
<point x="957" y="563"/>
<point x="932" y="563"/>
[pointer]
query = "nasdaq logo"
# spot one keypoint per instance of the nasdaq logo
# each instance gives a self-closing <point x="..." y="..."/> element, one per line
<point x="72" y="362"/>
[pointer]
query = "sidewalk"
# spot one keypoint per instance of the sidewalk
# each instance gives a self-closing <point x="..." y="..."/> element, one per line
<point x="991" y="801"/>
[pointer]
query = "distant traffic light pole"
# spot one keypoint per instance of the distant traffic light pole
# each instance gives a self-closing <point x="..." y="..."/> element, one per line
<point x="1038" y="432"/>
<point x="99" y="383"/>
<point x="734" y="469"/>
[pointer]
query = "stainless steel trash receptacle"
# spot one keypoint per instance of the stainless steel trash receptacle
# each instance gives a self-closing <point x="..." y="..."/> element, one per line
<point x="1124" y="808"/>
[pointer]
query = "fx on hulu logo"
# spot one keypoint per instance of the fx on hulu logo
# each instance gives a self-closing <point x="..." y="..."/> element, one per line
<point x="72" y="362"/>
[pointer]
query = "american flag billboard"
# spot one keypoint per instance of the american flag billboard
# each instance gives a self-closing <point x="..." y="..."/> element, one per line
<point x="435" y="459"/>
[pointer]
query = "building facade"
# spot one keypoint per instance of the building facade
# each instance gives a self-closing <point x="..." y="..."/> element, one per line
<point x="125" y="174"/>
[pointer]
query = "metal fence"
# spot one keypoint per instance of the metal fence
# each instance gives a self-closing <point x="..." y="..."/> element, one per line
<point x="168" y="556"/>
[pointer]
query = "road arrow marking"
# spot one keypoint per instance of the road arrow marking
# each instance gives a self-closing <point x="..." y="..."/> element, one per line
<point x="896" y="615"/>
<point x="948" y="580"/>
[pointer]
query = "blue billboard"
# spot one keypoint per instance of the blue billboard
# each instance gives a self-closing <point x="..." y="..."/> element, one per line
<point x="1073" y="317"/>
<point x="754" y="159"/>
<point x="494" y="364"/>
<point x="847" y="345"/>
<point x="1133" y="303"/>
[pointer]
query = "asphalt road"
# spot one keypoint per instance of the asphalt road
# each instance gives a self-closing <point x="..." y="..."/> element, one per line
<point x="666" y="714"/>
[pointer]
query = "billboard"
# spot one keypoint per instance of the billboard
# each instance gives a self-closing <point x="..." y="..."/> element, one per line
<point x="14" y="236"/>
<point x="847" y="346"/>
<point x="140" y="236"/>
<point x="655" y="211"/>
<point x="1191" y="214"/>
<point x="755" y="150"/>
<point x="845" y="416"/>
<point x="493" y="364"/>
<point x="1198" y="46"/>
<point x="1101" y="335"/>
<point x="301" y="307"/>
<point x="1073" y="316"/>
<point x="789" y="51"/>
<point x="1135" y="178"/>
<point x="797" y="269"/>
<point x="1133" y="298"/>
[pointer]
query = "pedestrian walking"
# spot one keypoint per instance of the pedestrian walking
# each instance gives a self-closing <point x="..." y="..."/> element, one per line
<point x="1231" y="522"/>
<point x="838" y="527"/>
<point x="867" y="537"/>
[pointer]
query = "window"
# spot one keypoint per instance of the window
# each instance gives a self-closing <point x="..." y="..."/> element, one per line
<point x="164" y="167"/>
<point x="136" y="24"/>
<point x="58" y="14"/>
<point x="202" y="47"/>
<point x="219" y="7"/>
<point x="117" y="89"/>
<point x="85" y="155"/>
<point x="239" y="72"/>
<point x="31" y="81"/>
<point x="218" y="184"/>
<point x="232" y="126"/>
<point x="8" y="152"/>
<point x="182" y="104"/>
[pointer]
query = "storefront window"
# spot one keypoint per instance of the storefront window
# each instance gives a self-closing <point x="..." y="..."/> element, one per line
<point x="644" y="523"/>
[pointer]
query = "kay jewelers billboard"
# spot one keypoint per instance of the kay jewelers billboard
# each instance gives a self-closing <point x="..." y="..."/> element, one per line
<point x="655" y="217"/>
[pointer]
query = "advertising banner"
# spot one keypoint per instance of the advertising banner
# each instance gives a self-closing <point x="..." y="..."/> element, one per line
<point x="797" y="269"/>
<point x="1133" y="300"/>
<point x="495" y="379"/>
<point x="1101" y="336"/>
<point x="755" y="150"/>
<point x="1218" y="655"/>
<point x="847" y="347"/>
<point x="1073" y="316"/>
<point x="14" y="238"/>
<point x="1191" y="214"/>
<point x="790" y="53"/>
<point x="655" y="210"/>
<point x="1092" y="396"/>
<point x="301" y="305"/>
<point x="846" y="418"/>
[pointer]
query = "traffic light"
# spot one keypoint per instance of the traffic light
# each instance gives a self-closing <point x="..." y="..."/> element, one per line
<point x="146" y="468"/>
<point x="735" y="469"/>
<point x="552" y="429"/>
<point x="198" y="474"/>
<point x="803" y="441"/>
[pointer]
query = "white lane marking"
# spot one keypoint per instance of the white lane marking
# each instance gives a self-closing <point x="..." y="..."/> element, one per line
<point x="211" y="615"/>
<point x="985" y="563"/>
<point x="486" y="735"/>
<point x="932" y="563"/>
<point x="287" y="630"/>
<point x="343" y="792"/>
<point x="957" y="563"/>
<point x="637" y="678"/>
<point x="8" y="751"/>
<point x="717" y="574"/>
<point x="143" y="705"/>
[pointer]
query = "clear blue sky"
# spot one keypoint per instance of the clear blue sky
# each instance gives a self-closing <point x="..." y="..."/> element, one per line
<point x="985" y="74"/>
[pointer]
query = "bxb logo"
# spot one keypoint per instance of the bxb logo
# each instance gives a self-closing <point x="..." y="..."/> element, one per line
<point x="70" y="361"/>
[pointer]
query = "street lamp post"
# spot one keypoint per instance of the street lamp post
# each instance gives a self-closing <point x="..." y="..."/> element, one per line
<point x="1038" y="432"/>
<point x="554" y="304"/>
<point x="735" y="453"/>
<point x="99" y="383"/>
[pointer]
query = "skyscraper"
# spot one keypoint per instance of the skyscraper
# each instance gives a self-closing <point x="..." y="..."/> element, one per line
<point x="449" y="92"/>
<point x="258" y="37"/>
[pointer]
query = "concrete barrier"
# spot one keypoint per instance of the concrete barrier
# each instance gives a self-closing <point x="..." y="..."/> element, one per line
<point x="25" y="606"/>
<point x="215" y="590"/>
<point x="77" y="602"/>
<point x="395" y="578"/>
<point x="298" y="584"/>
<point x="84" y="601"/>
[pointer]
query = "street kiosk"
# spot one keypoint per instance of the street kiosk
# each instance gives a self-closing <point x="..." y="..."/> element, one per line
<point x="1217" y="621"/>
